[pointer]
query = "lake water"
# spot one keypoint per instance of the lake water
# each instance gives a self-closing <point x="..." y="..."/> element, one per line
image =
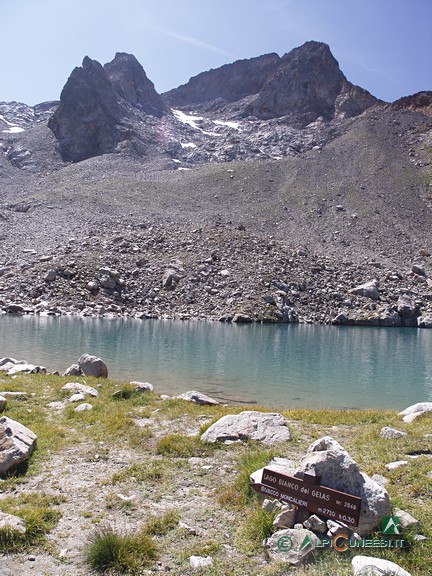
<point x="281" y="366"/>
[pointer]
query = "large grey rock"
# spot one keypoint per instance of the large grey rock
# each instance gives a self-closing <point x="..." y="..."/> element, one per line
<point x="424" y="321"/>
<point x="412" y="412"/>
<point x="16" y="444"/>
<point x="369" y="290"/>
<point x="197" y="398"/>
<point x="92" y="366"/>
<point x="326" y="458"/>
<point x="78" y="387"/>
<point x="293" y="546"/>
<point x="170" y="279"/>
<point x="73" y="370"/>
<point x="286" y="517"/>
<point x="369" y="566"/>
<point x="407" y="308"/>
<point x="265" y="427"/>
<point x="142" y="386"/>
<point x="14" y="523"/>
<point x="389" y="433"/>
<point x="277" y="464"/>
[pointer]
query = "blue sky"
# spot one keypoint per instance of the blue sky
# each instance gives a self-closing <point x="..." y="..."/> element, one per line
<point x="384" y="46"/>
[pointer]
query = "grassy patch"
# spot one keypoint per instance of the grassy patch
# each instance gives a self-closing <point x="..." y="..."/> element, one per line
<point x="39" y="517"/>
<point x="256" y="527"/>
<point x="161" y="525"/>
<point x="181" y="446"/>
<point x="120" y="552"/>
<point x="152" y="471"/>
<point x="239" y="494"/>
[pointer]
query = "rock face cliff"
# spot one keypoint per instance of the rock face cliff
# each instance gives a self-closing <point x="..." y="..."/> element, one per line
<point x="131" y="84"/>
<point x="307" y="84"/>
<point x="85" y="123"/>
<point x="96" y="103"/>
<point x="228" y="83"/>
<point x="303" y="85"/>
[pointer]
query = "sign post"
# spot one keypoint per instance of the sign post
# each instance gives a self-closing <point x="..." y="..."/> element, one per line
<point x="305" y="493"/>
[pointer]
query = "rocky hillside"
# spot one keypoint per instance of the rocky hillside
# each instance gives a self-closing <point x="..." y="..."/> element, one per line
<point x="276" y="170"/>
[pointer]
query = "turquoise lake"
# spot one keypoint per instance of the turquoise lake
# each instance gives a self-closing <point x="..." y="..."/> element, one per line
<point x="280" y="366"/>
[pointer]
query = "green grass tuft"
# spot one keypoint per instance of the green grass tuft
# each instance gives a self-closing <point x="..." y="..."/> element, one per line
<point x="111" y="551"/>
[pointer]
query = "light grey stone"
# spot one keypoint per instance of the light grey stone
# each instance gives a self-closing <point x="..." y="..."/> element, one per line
<point x="6" y="360"/>
<point x="77" y="397"/>
<point x="93" y="366"/>
<point x="370" y="566"/>
<point x="293" y="546"/>
<point x="329" y="460"/>
<point x="50" y="276"/>
<point x="12" y="523"/>
<point x="265" y="427"/>
<point x="241" y="318"/>
<point x="395" y="465"/>
<point x="83" y="407"/>
<point x="277" y="464"/>
<point x="424" y="321"/>
<point x="412" y="412"/>
<point x="407" y="307"/>
<point x="198" y="398"/>
<point x="389" y="433"/>
<point x="3" y="403"/>
<point x="78" y="387"/>
<point x="315" y="524"/>
<point x="73" y="370"/>
<point x="142" y="386"/>
<point x="26" y="368"/>
<point x="14" y="395"/>
<point x="406" y="520"/>
<point x="369" y="290"/>
<point x="16" y="443"/>
<point x="271" y="505"/>
<point x="200" y="561"/>
<point x="286" y="517"/>
<point x="170" y="279"/>
<point x="107" y="282"/>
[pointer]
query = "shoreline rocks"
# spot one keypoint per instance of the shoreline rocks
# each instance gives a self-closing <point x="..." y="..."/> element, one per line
<point x="224" y="273"/>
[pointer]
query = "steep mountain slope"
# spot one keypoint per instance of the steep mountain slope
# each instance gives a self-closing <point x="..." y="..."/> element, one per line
<point x="281" y="156"/>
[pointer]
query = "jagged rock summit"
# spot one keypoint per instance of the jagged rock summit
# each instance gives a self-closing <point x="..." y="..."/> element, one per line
<point x="304" y="84"/>
<point x="95" y="103"/>
<point x="105" y="109"/>
<point x="130" y="82"/>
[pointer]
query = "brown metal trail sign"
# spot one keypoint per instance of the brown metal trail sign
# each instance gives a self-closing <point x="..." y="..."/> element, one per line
<point x="304" y="493"/>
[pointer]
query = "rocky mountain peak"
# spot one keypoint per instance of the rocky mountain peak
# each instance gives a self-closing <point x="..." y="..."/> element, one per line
<point x="303" y="85"/>
<point x="85" y="121"/>
<point x="130" y="82"/>
<point x="228" y="83"/>
<point x="306" y="85"/>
